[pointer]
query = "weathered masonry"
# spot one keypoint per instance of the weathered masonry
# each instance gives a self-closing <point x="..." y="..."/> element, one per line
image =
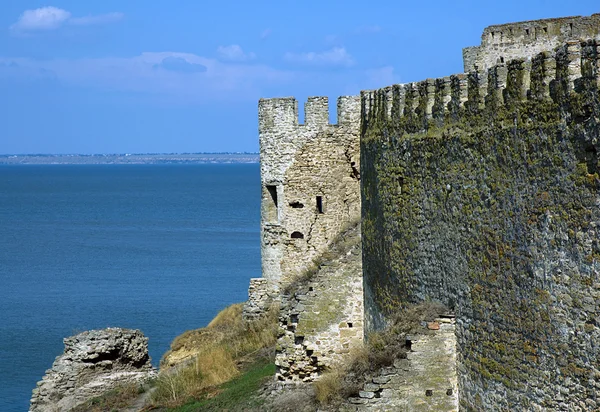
<point x="505" y="42"/>
<point x="482" y="191"/>
<point x="310" y="197"/>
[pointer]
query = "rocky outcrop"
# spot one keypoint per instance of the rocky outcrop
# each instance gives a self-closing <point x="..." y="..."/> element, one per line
<point x="93" y="363"/>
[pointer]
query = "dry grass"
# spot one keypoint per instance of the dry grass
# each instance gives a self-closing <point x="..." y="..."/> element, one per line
<point x="329" y="388"/>
<point x="219" y="351"/>
<point x="381" y="349"/>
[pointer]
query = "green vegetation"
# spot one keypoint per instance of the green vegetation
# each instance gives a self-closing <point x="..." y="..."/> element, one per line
<point x="237" y="394"/>
<point x="227" y="348"/>
<point x="478" y="208"/>
<point x="114" y="400"/>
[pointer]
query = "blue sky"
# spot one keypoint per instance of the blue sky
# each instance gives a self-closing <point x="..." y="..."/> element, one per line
<point x="143" y="76"/>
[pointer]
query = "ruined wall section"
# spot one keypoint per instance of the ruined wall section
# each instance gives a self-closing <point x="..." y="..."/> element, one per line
<point x="482" y="191"/>
<point x="321" y="317"/>
<point x="310" y="196"/>
<point x="505" y="42"/>
<point x="293" y="175"/>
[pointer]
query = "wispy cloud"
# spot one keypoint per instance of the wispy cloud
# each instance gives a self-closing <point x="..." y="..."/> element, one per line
<point x="368" y="29"/>
<point x="98" y="19"/>
<point x="381" y="77"/>
<point x="265" y="33"/>
<point x="180" y="64"/>
<point x="180" y="75"/>
<point x="234" y="53"/>
<point x="44" y="18"/>
<point x="188" y="78"/>
<point x="337" y="56"/>
<point x="52" y="18"/>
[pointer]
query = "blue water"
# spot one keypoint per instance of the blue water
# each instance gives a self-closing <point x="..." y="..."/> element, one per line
<point x="161" y="248"/>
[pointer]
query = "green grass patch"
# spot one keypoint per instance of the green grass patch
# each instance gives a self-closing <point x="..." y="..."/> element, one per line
<point x="237" y="394"/>
<point x="114" y="400"/>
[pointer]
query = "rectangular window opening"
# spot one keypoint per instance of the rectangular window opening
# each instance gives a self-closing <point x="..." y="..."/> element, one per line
<point x="320" y="204"/>
<point x="271" y="204"/>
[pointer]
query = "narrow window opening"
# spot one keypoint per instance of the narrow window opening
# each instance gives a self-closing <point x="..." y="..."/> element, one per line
<point x="545" y="30"/>
<point x="501" y="59"/>
<point x="296" y="205"/>
<point x="271" y="204"/>
<point x="571" y="28"/>
<point x="273" y="192"/>
<point x="527" y="32"/>
<point x="299" y="340"/>
<point x="350" y="324"/>
<point x="320" y="204"/>
<point x="297" y="235"/>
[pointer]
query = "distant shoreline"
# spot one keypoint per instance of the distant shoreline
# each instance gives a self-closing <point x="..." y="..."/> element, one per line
<point x="170" y="158"/>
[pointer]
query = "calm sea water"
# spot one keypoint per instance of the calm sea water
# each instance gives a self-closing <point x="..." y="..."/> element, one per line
<point x="161" y="248"/>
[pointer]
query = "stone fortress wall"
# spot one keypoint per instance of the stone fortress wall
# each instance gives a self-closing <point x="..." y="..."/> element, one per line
<point x="482" y="191"/>
<point x="505" y="42"/>
<point x="310" y="194"/>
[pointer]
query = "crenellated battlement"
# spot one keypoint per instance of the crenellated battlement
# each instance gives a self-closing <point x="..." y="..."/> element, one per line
<point x="481" y="190"/>
<point x="282" y="112"/>
<point x="505" y="42"/>
<point x="548" y="75"/>
<point x="478" y="190"/>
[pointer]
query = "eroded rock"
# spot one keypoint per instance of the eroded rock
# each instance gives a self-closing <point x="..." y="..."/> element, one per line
<point x="93" y="363"/>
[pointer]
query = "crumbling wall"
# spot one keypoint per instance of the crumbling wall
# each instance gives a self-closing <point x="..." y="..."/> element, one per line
<point x="310" y="193"/>
<point x="300" y="162"/>
<point x="482" y="191"/>
<point x="505" y="42"/>
<point x="321" y="317"/>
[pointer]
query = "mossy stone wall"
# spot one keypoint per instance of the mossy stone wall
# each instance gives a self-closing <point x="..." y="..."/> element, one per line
<point x="482" y="192"/>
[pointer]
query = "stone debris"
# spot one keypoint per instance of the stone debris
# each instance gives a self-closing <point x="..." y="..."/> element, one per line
<point x="93" y="363"/>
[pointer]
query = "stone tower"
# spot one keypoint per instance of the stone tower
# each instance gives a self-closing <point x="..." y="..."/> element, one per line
<point x="310" y="193"/>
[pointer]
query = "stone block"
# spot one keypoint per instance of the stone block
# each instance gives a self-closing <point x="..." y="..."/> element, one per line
<point x="371" y="387"/>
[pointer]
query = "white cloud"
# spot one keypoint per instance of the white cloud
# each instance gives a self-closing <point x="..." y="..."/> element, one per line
<point x="234" y="53"/>
<point x="189" y="78"/>
<point x="180" y="75"/>
<point x="44" y="18"/>
<point x="337" y="56"/>
<point x="52" y="18"/>
<point x="99" y="19"/>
